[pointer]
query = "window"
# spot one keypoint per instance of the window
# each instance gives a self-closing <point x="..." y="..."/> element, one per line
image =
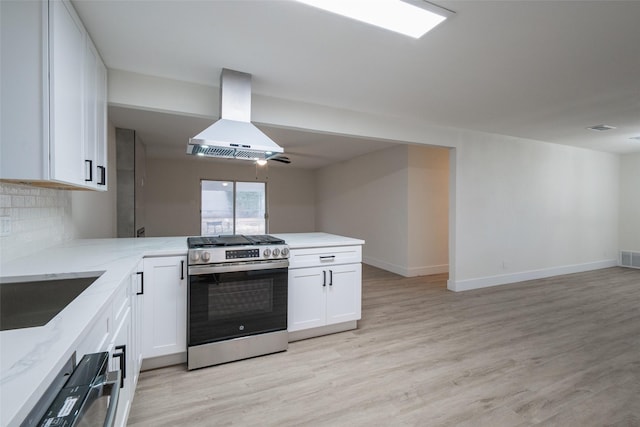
<point x="230" y="207"/>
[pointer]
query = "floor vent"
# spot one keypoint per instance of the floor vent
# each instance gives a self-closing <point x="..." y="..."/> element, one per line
<point x="630" y="259"/>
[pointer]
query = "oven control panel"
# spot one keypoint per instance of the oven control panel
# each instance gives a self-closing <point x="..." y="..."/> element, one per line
<point x="242" y="253"/>
<point x="202" y="256"/>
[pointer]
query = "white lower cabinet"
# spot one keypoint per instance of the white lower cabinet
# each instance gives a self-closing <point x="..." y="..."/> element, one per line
<point x="115" y="332"/>
<point x="344" y="295"/>
<point x="137" y="314"/>
<point x="122" y="358"/>
<point x="307" y="299"/>
<point x="326" y="294"/>
<point x="164" y="323"/>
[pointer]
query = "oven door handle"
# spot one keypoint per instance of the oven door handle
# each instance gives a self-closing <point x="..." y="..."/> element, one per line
<point x="196" y="270"/>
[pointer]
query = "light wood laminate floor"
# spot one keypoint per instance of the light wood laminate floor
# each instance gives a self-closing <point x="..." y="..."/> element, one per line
<point x="563" y="351"/>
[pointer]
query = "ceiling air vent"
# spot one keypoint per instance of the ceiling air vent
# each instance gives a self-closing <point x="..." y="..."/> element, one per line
<point x="601" y="128"/>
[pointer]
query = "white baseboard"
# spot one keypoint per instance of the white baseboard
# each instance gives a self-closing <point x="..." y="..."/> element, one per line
<point x="162" y="361"/>
<point x="404" y="271"/>
<point x="427" y="270"/>
<point x="505" y="279"/>
<point x="322" y="330"/>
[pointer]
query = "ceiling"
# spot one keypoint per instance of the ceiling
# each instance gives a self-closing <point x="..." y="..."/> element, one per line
<point x="544" y="70"/>
<point x="166" y="136"/>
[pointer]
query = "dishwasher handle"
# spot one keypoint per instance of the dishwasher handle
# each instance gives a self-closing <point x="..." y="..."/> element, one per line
<point x="112" y="380"/>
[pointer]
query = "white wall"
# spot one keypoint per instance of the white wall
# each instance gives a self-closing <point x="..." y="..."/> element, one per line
<point x="521" y="208"/>
<point x="395" y="199"/>
<point x="527" y="210"/>
<point x="630" y="202"/>
<point x="94" y="212"/>
<point x="366" y="198"/>
<point x="172" y="194"/>
<point x="428" y="208"/>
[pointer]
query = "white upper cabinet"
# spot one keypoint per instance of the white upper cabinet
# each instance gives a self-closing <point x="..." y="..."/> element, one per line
<point x="53" y="95"/>
<point x="66" y="70"/>
<point x="94" y="126"/>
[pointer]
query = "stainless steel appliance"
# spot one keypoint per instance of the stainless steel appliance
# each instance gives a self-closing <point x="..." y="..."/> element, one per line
<point x="233" y="136"/>
<point x="84" y="395"/>
<point x="237" y="298"/>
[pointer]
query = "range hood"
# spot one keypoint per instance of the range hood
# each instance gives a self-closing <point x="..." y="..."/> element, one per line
<point x="233" y="136"/>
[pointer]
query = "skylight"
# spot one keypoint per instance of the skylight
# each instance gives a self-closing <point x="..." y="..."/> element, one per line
<point x="413" y="18"/>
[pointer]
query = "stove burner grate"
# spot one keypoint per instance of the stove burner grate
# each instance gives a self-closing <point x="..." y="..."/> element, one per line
<point x="232" y="240"/>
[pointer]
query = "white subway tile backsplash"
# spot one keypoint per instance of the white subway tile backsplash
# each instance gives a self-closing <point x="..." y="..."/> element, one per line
<point x="17" y="201"/>
<point x="37" y="214"/>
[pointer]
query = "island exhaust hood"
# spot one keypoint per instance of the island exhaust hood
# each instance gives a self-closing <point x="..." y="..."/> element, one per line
<point x="233" y="136"/>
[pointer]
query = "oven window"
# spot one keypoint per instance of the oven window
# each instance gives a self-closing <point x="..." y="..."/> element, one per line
<point x="230" y="305"/>
<point x="232" y="299"/>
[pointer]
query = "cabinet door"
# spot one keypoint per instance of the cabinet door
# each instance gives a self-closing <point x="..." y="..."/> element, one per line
<point x="90" y="103"/>
<point x="307" y="300"/>
<point x="121" y="345"/>
<point x="66" y="70"/>
<point x="344" y="293"/>
<point x="137" y="313"/>
<point x="165" y="306"/>
<point x="95" y="118"/>
<point x="101" y="126"/>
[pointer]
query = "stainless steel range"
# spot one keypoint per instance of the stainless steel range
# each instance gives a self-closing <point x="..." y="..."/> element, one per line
<point x="237" y="298"/>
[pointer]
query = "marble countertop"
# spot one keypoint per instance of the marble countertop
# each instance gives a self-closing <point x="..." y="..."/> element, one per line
<point x="316" y="240"/>
<point x="30" y="357"/>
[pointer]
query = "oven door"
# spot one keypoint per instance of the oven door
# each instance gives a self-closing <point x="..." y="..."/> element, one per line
<point x="236" y="300"/>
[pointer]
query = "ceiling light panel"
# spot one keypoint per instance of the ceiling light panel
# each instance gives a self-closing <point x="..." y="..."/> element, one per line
<point x="412" y="18"/>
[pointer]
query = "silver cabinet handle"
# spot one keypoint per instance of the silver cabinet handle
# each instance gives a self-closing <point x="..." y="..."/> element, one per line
<point x="327" y="257"/>
<point x="330" y="277"/>
<point x="324" y="278"/>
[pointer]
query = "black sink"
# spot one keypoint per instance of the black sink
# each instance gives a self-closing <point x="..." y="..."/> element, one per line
<point x="31" y="301"/>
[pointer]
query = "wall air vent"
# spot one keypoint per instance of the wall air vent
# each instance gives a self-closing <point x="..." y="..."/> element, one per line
<point x="601" y="128"/>
<point x="630" y="259"/>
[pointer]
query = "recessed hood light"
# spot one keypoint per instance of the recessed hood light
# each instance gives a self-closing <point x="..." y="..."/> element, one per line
<point x="413" y="18"/>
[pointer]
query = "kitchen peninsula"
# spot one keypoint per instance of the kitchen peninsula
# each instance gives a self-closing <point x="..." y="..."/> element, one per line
<point x="30" y="357"/>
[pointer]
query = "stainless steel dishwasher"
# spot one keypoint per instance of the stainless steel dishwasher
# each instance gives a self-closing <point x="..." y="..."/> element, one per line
<point x="86" y="395"/>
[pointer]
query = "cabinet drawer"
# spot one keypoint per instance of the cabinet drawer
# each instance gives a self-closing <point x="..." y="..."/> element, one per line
<point x="317" y="257"/>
